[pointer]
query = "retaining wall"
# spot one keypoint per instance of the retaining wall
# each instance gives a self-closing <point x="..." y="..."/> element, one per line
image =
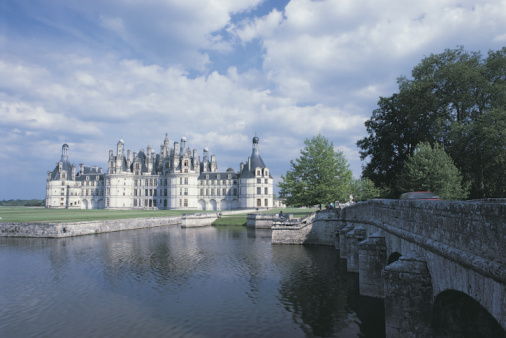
<point x="58" y="230"/>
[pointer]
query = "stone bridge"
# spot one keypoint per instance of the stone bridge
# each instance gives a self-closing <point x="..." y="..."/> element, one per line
<point x="440" y="266"/>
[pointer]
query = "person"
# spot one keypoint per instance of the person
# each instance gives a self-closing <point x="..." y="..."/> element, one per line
<point x="331" y="205"/>
<point x="281" y="214"/>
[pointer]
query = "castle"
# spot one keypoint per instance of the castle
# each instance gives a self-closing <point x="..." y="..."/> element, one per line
<point x="175" y="178"/>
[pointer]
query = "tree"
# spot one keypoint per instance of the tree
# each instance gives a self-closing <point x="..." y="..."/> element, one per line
<point x="319" y="176"/>
<point x="432" y="169"/>
<point x="364" y="189"/>
<point x="446" y="101"/>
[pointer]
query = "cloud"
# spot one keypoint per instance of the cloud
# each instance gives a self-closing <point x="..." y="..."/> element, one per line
<point x="89" y="73"/>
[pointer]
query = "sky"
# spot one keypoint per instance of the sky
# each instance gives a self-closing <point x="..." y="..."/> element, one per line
<point x="218" y="72"/>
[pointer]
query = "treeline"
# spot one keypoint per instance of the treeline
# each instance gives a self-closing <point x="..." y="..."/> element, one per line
<point x="23" y="203"/>
<point x="454" y="101"/>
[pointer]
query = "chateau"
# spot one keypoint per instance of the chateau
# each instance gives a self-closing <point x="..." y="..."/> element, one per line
<point x="175" y="178"/>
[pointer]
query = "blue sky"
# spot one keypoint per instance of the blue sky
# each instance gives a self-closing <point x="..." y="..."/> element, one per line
<point x="92" y="72"/>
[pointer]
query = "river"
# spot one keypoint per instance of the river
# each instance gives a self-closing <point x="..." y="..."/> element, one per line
<point x="180" y="282"/>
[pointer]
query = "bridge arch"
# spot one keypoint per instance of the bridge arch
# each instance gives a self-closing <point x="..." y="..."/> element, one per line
<point x="456" y="314"/>
<point x="394" y="256"/>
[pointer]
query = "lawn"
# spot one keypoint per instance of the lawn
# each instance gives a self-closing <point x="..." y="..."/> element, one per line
<point x="29" y="214"/>
<point x="241" y="219"/>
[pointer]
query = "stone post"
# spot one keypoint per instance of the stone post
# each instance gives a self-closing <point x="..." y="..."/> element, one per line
<point x="354" y="237"/>
<point x="408" y="298"/>
<point x="343" y="249"/>
<point x="372" y="254"/>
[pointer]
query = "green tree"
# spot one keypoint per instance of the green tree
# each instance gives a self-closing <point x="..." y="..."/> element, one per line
<point x="445" y="101"/>
<point x="319" y="176"/>
<point x="364" y="189"/>
<point x="432" y="169"/>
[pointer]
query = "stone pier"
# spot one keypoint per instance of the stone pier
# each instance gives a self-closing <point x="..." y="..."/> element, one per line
<point x="372" y="259"/>
<point x="408" y="298"/>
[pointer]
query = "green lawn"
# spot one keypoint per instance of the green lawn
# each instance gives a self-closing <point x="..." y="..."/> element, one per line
<point x="241" y="219"/>
<point x="28" y="214"/>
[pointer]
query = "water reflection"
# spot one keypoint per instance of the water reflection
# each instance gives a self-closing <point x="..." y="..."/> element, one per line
<point x="169" y="281"/>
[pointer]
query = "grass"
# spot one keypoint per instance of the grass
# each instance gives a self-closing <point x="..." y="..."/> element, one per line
<point x="43" y="215"/>
<point x="241" y="219"/>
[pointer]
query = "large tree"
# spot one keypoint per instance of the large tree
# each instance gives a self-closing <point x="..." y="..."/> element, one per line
<point x="432" y="169"/>
<point x="319" y="176"/>
<point x="445" y="101"/>
<point x="364" y="189"/>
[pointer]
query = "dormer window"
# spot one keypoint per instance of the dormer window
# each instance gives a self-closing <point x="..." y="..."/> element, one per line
<point x="258" y="172"/>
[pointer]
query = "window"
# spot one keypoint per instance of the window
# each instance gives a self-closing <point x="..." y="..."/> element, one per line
<point x="186" y="191"/>
<point x="224" y="191"/>
<point x="266" y="203"/>
<point x="259" y="180"/>
<point x="212" y="192"/>
<point x="266" y="180"/>
<point x="235" y="191"/>
<point x="186" y="180"/>
<point x="259" y="202"/>
<point x="186" y="202"/>
<point x="258" y="172"/>
<point x="201" y="192"/>
<point x="259" y="191"/>
<point x="146" y="192"/>
<point x="266" y="191"/>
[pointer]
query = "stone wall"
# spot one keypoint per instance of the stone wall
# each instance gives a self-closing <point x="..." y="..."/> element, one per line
<point x="198" y="220"/>
<point x="57" y="230"/>
<point x="261" y="221"/>
<point x="470" y="233"/>
<point x="477" y="226"/>
<point x="319" y="228"/>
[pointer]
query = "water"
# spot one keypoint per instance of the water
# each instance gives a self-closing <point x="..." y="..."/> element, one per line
<point x="174" y="282"/>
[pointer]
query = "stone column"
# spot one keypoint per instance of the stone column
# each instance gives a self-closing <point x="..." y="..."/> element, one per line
<point x="372" y="254"/>
<point x="354" y="237"/>
<point x="343" y="249"/>
<point x="408" y="298"/>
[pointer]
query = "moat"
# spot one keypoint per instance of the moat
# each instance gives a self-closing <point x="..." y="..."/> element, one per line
<point x="170" y="281"/>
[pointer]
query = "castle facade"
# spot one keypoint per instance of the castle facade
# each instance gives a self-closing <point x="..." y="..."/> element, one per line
<point x="175" y="178"/>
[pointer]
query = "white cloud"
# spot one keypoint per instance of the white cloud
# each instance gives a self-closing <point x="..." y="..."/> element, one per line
<point x="138" y="69"/>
